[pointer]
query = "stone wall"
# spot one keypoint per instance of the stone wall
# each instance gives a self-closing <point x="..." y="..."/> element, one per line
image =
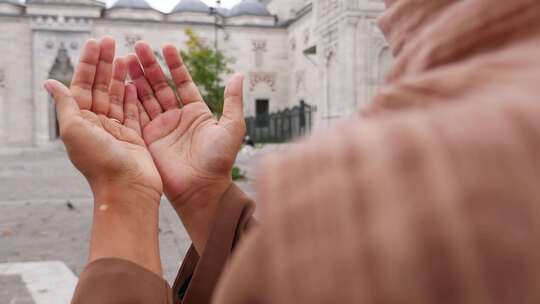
<point x="17" y="109"/>
<point x="351" y="52"/>
<point x="305" y="82"/>
<point x="330" y="55"/>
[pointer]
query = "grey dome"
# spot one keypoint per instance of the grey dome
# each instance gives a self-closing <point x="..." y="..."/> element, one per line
<point x="191" y="6"/>
<point x="223" y="11"/>
<point x="11" y="2"/>
<point x="131" y="4"/>
<point x="249" y="7"/>
<point x="77" y="2"/>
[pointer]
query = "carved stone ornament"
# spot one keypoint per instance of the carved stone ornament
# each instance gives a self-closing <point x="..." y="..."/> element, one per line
<point x="328" y="7"/>
<point x="74" y="45"/>
<point x="2" y="79"/>
<point x="300" y="80"/>
<point x="205" y="42"/>
<point x="259" y="45"/>
<point x="307" y="34"/>
<point x="262" y="77"/>
<point x="61" y="23"/>
<point x="293" y="43"/>
<point x="329" y="54"/>
<point x="130" y="40"/>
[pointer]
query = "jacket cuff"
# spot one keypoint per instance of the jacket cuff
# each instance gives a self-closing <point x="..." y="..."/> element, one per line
<point x="113" y="280"/>
<point x="198" y="276"/>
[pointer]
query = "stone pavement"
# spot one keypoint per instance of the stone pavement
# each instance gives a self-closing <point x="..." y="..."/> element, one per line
<point x="45" y="218"/>
<point x="14" y="291"/>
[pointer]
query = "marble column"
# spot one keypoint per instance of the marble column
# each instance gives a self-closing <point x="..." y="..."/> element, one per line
<point x="3" y="111"/>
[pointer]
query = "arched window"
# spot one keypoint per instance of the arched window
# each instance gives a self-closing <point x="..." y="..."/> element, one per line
<point x="62" y="70"/>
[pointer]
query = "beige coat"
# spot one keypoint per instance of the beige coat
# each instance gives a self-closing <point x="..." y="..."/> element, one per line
<point x="432" y="197"/>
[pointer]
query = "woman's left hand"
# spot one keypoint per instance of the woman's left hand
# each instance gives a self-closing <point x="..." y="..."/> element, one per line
<point x="100" y="125"/>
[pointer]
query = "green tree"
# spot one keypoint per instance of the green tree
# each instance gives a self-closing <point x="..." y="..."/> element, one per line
<point x="207" y="66"/>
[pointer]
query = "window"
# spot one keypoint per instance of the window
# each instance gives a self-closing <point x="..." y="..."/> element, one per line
<point x="259" y="48"/>
<point x="62" y="70"/>
<point x="262" y="117"/>
<point x="259" y="59"/>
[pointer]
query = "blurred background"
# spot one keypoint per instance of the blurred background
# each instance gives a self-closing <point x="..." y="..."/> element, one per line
<point x="308" y="64"/>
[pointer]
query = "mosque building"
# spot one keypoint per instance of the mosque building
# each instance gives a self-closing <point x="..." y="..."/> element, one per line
<point x="325" y="55"/>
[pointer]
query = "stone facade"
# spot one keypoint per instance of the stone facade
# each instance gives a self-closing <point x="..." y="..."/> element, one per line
<point x="328" y="53"/>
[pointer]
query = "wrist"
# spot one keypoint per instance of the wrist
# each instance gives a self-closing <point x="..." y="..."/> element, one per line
<point x="118" y="193"/>
<point x="201" y="198"/>
<point x="112" y="188"/>
<point x="199" y="210"/>
<point x="125" y="225"/>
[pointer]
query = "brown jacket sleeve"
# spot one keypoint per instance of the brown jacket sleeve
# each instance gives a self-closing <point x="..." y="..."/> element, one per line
<point x="198" y="276"/>
<point x="112" y="281"/>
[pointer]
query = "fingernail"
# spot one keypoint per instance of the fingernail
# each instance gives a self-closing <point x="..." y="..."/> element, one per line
<point x="47" y="87"/>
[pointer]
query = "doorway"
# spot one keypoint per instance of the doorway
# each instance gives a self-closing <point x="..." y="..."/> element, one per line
<point x="262" y="113"/>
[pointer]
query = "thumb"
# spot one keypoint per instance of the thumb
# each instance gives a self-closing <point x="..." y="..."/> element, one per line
<point x="66" y="106"/>
<point x="233" y="107"/>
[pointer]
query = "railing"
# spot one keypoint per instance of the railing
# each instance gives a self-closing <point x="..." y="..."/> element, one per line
<point x="281" y="126"/>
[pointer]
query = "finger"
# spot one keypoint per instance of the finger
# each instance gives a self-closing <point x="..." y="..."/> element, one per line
<point x="186" y="88"/>
<point x="66" y="105"/>
<point x="143" y="116"/>
<point x="119" y="131"/>
<point x="100" y="91"/>
<point x="162" y="126"/>
<point x="233" y="107"/>
<point x="131" y="110"/>
<point x="117" y="89"/>
<point x="155" y="76"/>
<point x="144" y="90"/>
<point x="85" y="73"/>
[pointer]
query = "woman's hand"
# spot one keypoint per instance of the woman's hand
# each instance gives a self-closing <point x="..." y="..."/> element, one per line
<point x="100" y="126"/>
<point x="193" y="151"/>
<point x="107" y="149"/>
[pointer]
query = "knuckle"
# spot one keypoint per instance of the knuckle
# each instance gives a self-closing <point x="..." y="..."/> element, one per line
<point x="101" y="87"/>
<point x="115" y="99"/>
<point x="160" y="86"/>
<point x="146" y="96"/>
<point x="131" y="115"/>
<point x="82" y="85"/>
<point x="154" y="112"/>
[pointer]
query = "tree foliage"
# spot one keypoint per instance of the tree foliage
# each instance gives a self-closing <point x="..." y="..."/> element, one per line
<point x="207" y="66"/>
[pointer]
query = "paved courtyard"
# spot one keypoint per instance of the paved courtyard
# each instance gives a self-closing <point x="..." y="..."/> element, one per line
<point x="45" y="217"/>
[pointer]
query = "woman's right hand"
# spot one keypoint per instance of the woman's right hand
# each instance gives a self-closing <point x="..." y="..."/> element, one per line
<point x="193" y="151"/>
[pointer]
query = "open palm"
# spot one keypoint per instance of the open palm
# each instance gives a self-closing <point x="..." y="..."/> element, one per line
<point x="193" y="151"/>
<point x="99" y="122"/>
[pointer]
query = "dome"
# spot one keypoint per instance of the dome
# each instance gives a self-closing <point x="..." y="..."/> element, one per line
<point x="131" y="4"/>
<point x="222" y="11"/>
<point x="11" y="2"/>
<point x="191" y="6"/>
<point x="68" y="2"/>
<point x="249" y="7"/>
